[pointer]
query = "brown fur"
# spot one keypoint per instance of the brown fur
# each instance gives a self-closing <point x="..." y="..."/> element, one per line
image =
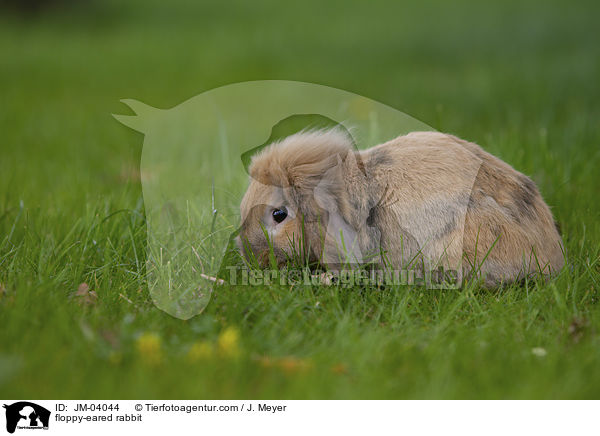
<point x="424" y="198"/>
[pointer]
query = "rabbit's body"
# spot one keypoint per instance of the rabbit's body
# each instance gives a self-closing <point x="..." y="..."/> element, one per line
<point x="422" y="200"/>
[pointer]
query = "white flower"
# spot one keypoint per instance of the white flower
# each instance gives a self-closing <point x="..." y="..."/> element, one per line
<point x="539" y="351"/>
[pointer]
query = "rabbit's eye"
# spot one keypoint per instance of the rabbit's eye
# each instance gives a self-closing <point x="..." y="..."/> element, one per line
<point x="280" y="214"/>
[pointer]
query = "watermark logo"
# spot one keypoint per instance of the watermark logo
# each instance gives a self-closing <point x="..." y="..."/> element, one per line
<point x="194" y="181"/>
<point x="347" y="278"/>
<point x="25" y="415"/>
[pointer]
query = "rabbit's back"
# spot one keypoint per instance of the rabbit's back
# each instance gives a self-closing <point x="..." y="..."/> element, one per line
<point x="450" y="199"/>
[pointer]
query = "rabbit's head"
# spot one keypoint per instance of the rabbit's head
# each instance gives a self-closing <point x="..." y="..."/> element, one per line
<point x="297" y="201"/>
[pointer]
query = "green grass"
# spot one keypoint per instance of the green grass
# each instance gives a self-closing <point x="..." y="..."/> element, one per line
<point x="519" y="78"/>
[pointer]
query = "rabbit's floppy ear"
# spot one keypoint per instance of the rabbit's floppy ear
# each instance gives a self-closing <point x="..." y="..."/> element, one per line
<point x="320" y="193"/>
<point x="341" y="244"/>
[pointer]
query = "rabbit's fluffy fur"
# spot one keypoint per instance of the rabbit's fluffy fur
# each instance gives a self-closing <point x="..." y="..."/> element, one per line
<point x="421" y="200"/>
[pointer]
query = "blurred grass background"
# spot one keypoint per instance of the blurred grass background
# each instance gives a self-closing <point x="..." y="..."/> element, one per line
<point x="518" y="77"/>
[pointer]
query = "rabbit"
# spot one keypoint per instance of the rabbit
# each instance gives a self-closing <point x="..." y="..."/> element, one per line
<point x="423" y="200"/>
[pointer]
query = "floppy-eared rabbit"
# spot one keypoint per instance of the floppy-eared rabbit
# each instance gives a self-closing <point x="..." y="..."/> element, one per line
<point x="422" y="200"/>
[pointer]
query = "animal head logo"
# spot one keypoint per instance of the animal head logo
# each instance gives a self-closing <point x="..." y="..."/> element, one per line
<point x="25" y="414"/>
<point x="192" y="174"/>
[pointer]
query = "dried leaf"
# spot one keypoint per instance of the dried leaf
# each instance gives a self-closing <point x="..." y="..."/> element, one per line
<point x="577" y="329"/>
<point x="84" y="296"/>
<point x="111" y="337"/>
<point x="339" y="368"/>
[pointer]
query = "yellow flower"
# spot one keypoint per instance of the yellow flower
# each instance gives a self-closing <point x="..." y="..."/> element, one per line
<point x="228" y="342"/>
<point x="200" y="351"/>
<point x="149" y="348"/>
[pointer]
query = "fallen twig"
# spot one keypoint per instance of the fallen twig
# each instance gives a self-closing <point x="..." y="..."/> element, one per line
<point x="213" y="279"/>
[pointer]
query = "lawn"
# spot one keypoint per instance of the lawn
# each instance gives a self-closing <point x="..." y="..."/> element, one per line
<point x="518" y="77"/>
